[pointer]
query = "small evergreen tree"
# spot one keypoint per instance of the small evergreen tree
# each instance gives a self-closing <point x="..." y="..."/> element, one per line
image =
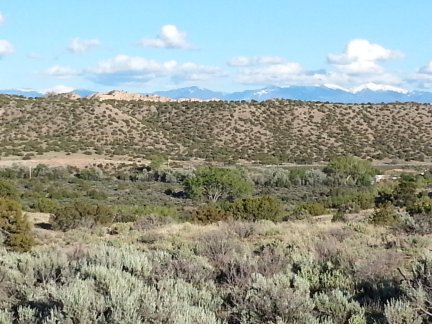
<point x="15" y="226"/>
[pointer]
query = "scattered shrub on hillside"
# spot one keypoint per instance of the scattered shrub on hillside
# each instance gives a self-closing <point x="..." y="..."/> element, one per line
<point x="15" y="226"/>
<point x="81" y="214"/>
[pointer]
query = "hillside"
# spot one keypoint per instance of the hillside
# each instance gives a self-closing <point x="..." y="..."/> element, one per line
<point x="269" y="131"/>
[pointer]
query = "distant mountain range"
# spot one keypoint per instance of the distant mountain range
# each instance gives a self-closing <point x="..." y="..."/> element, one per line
<point x="305" y="93"/>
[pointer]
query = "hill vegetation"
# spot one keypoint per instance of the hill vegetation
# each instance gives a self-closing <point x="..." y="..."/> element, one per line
<point x="270" y="132"/>
<point x="149" y="240"/>
<point x="215" y="245"/>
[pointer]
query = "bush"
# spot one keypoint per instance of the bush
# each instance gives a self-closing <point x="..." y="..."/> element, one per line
<point x="8" y="190"/>
<point x="348" y="170"/>
<point x="217" y="183"/>
<point x="386" y="215"/>
<point x="96" y="194"/>
<point x="210" y="214"/>
<point x="46" y="205"/>
<point x="339" y="216"/>
<point x="312" y="209"/>
<point x="151" y="221"/>
<point x="280" y="297"/>
<point x="418" y="287"/>
<point x="15" y="226"/>
<point x="404" y="194"/>
<point x="90" y="174"/>
<point x="338" y="308"/>
<point x="351" y="198"/>
<point x="401" y="312"/>
<point x="421" y="206"/>
<point x="81" y="214"/>
<point x="256" y="208"/>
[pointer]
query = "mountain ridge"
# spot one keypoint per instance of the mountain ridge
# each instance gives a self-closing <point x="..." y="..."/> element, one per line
<point x="304" y="93"/>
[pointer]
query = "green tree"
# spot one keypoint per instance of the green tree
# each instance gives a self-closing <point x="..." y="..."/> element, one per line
<point x="15" y="226"/>
<point x="214" y="183"/>
<point x="349" y="170"/>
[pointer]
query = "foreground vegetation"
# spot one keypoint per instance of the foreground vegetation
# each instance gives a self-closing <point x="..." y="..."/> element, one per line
<point x="270" y="132"/>
<point x="149" y="244"/>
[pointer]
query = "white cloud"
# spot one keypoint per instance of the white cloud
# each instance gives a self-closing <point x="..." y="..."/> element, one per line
<point x="256" y="60"/>
<point x="427" y="69"/>
<point x="422" y="78"/>
<point x="81" y="46"/>
<point x="169" y="37"/>
<point x="281" y="74"/>
<point x="58" y="89"/>
<point x="124" y="69"/>
<point x="378" y="87"/>
<point x="362" y="57"/>
<point x="358" y="67"/>
<point x="5" y="48"/>
<point x="60" y="71"/>
<point x="2" y="18"/>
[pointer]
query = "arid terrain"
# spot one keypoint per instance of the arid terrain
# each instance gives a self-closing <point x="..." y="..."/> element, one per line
<point x="116" y="211"/>
<point x="269" y="132"/>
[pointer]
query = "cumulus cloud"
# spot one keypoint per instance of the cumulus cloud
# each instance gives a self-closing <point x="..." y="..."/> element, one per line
<point x="2" y="18"/>
<point x="60" y="71"/>
<point x="170" y="36"/>
<point x="256" y="60"/>
<point x="358" y="67"/>
<point x="6" y="48"/>
<point x="124" y="69"/>
<point x="81" y="46"/>
<point x="362" y="57"/>
<point x="272" y="70"/>
<point x="58" y="89"/>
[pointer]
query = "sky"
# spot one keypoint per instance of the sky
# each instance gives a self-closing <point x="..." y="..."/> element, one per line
<point x="225" y="45"/>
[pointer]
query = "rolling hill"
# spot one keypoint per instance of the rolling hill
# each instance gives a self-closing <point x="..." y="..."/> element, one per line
<point x="269" y="131"/>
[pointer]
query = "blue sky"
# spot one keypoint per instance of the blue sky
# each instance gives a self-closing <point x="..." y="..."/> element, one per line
<point x="226" y="45"/>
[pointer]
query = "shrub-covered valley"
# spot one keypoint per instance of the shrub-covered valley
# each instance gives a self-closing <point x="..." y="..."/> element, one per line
<point x="225" y="239"/>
